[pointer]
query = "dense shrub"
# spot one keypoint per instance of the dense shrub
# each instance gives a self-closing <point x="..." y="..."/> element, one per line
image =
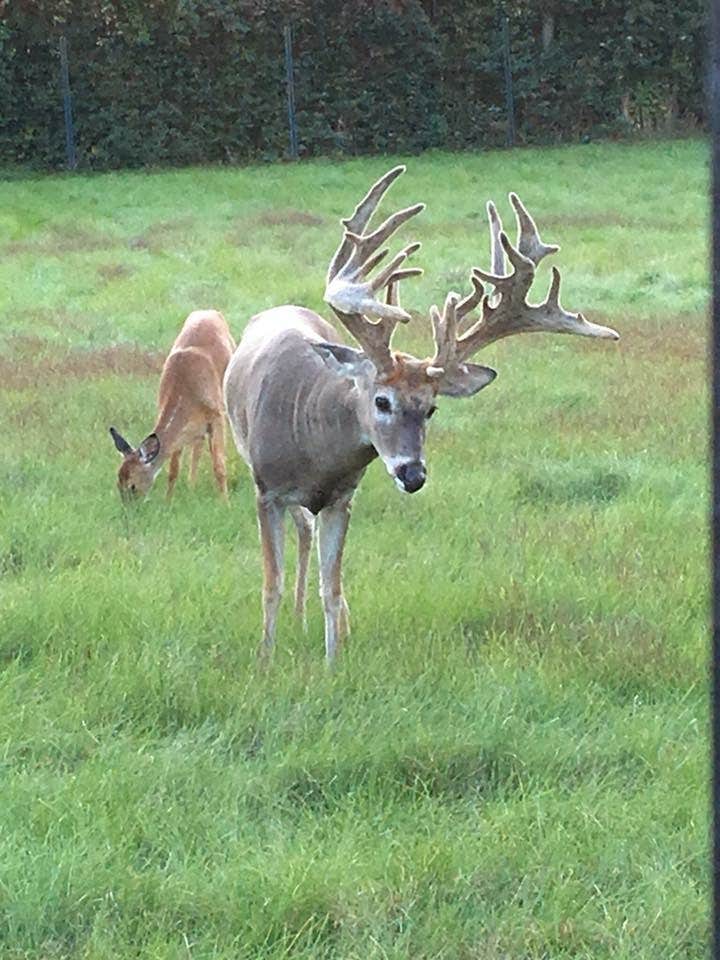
<point x="186" y="81"/>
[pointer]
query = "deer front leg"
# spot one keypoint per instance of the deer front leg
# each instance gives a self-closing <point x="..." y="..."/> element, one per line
<point x="173" y="471"/>
<point x="333" y="525"/>
<point x="344" y="619"/>
<point x="216" y="435"/>
<point x="272" y="541"/>
<point x="305" y="524"/>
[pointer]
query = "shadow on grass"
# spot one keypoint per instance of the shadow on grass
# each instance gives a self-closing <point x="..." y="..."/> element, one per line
<point x="596" y="485"/>
<point x="443" y="773"/>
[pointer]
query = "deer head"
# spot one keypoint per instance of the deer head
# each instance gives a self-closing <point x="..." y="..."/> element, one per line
<point x="138" y="468"/>
<point x="397" y="395"/>
<point x="398" y="391"/>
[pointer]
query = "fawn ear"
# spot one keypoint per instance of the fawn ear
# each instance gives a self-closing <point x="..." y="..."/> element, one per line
<point x="121" y="444"/>
<point x="149" y="448"/>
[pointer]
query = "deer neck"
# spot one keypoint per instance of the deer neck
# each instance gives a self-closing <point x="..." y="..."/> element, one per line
<point x="351" y="437"/>
<point x="169" y="428"/>
<point x="325" y="437"/>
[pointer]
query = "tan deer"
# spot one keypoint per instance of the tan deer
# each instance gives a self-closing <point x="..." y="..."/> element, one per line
<point x="309" y="413"/>
<point x="190" y="408"/>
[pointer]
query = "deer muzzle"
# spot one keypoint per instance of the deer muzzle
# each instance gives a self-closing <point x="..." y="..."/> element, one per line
<point x="411" y="476"/>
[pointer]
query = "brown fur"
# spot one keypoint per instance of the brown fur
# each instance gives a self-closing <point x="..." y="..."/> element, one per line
<point x="190" y="406"/>
<point x="409" y="373"/>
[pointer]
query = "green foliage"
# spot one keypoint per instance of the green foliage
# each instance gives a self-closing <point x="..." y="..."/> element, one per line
<point x="611" y="67"/>
<point x="192" y="81"/>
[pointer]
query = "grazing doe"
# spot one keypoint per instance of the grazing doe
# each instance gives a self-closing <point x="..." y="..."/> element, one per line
<point x="309" y="413"/>
<point x="190" y="407"/>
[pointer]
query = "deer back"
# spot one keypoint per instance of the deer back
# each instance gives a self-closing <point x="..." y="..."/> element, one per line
<point x="207" y="331"/>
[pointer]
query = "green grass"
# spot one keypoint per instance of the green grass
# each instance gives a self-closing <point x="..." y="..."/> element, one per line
<point x="511" y="759"/>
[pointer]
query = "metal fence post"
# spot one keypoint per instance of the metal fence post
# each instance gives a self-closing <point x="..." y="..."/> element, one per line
<point x="507" y="70"/>
<point x="290" y="81"/>
<point x="714" y="113"/>
<point x="67" y="106"/>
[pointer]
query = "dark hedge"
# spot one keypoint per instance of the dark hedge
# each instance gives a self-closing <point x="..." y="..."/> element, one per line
<point x="195" y="81"/>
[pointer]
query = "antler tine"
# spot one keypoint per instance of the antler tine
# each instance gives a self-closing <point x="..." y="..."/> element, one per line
<point x="497" y="259"/>
<point x="497" y="255"/>
<point x="392" y="295"/>
<point x="372" y="262"/>
<point x="444" y="326"/>
<point x="392" y="268"/>
<point x="577" y="322"/>
<point x="513" y="286"/>
<point x="352" y="292"/>
<point x="528" y="239"/>
<point x="366" y="245"/>
<point x="361" y="217"/>
<point x="468" y="303"/>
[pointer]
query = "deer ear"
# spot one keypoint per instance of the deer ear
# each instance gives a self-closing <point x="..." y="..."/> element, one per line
<point x="347" y="361"/>
<point x="466" y="380"/>
<point x="149" y="448"/>
<point x="121" y="444"/>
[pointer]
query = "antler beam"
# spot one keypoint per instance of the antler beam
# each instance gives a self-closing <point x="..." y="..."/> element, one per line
<point x="506" y="311"/>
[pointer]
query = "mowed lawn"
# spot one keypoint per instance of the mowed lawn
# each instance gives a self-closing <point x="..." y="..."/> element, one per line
<point x="510" y="761"/>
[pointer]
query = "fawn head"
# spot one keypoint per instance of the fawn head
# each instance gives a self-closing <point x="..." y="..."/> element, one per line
<point x="138" y="468"/>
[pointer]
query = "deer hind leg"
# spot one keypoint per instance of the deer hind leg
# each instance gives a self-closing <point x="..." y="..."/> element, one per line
<point x="173" y="471"/>
<point x="216" y="441"/>
<point x="305" y="524"/>
<point x="333" y="525"/>
<point x="272" y="540"/>
<point x="195" y="453"/>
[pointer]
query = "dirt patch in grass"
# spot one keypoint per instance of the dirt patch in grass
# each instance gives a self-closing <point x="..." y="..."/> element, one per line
<point x="289" y="217"/>
<point x="157" y="235"/>
<point x="241" y="234"/>
<point x="684" y="337"/>
<point x="114" y="271"/>
<point x="23" y="345"/>
<point x="60" y="319"/>
<point x="61" y="240"/>
<point x="40" y="368"/>
<point x="631" y="658"/>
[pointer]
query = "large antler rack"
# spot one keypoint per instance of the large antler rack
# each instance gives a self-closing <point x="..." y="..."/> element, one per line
<point x="353" y="293"/>
<point x="506" y="311"/>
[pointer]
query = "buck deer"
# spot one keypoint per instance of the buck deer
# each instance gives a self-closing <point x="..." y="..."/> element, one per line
<point x="190" y="407"/>
<point x="309" y="413"/>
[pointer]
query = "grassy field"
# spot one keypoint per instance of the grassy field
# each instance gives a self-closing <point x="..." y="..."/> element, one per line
<point x="510" y="762"/>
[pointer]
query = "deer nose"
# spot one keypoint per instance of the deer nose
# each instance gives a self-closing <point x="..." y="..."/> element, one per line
<point x="411" y="475"/>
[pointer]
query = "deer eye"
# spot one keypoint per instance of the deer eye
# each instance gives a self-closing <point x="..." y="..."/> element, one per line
<point x="383" y="404"/>
<point x="132" y="487"/>
<point x="431" y="411"/>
